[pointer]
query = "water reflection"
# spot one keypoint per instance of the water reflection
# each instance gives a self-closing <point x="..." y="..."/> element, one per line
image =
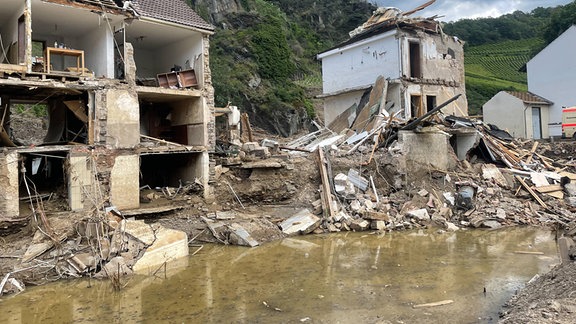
<point x="344" y="278"/>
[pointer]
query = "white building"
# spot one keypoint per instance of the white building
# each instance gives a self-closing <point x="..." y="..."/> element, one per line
<point x="423" y="67"/>
<point x="552" y="75"/>
<point x="522" y="114"/>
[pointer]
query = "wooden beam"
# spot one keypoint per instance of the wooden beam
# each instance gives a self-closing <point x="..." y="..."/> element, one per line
<point x="326" y="195"/>
<point x="531" y="192"/>
<point x="532" y="151"/>
<point x="549" y="188"/>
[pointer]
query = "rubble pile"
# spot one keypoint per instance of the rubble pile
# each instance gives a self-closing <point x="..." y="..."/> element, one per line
<point x="99" y="248"/>
<point x="481" y="177"/>
<point x="495" y="181"/>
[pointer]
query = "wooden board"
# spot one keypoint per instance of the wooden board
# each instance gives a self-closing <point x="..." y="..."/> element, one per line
<point x="549" y="188"/>
<point x="363" y="118"/>
<point x="343" y="120"/>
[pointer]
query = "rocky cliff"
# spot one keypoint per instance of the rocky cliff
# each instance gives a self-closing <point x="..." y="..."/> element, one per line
<point x="263" y="54"/>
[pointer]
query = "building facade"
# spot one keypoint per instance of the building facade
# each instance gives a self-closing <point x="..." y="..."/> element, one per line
<point x="551" y="75"/>
<point x="522" y="114"/>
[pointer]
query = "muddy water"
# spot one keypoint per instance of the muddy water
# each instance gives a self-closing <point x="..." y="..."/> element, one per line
<point x="344" y="278"/>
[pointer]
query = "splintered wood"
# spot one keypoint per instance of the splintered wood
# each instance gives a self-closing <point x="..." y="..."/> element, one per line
<point x="326" y="195"/>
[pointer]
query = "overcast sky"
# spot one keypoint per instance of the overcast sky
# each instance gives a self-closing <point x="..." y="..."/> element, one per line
<point x="453" y="10"/>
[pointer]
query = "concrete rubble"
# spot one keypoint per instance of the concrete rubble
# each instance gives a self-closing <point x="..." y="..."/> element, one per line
<point x="104" y="248"/>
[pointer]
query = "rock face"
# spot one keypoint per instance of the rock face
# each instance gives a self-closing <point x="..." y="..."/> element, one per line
<point x="217" y="8"/>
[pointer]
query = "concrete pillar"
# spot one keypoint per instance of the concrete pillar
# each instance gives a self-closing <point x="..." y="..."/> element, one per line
<point x="80" y="182"/>
<point x="123" y="118"/>
<point x="129" y="65"/>
<point x="208" y="94"/>
<point x="427" y="151"/>
<point x="9" y="209"/>
<point x="125" y="182"/>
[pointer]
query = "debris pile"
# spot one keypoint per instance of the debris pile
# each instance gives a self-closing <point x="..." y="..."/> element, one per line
<point x="433" y="170"/>
<point x="101" y="248"/>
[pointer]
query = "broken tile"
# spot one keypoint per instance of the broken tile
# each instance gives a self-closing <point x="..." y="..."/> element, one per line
<point x="359" y="225"/>
<point x="358" y="181"/>
<point x="239" y="236"/>
<point x="378" y="225"/>
<point x="303" y="222"/>
<point x="492" y="224"/>
<point x="420" y="214"/>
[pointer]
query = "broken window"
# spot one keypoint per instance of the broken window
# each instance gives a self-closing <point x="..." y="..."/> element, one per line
<point x="416" y="108"/>
<point x="415" y="59"/>
<point x="430" y="103"/>
<point x="38" y="55"/>
<point x="27" y="123"/>
<point x="119" y="40"/>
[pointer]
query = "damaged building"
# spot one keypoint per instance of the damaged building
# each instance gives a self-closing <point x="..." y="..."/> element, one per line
<point x="395" y="68"/>
<point x="122" y="96"/>
<point x="423" y="67"/>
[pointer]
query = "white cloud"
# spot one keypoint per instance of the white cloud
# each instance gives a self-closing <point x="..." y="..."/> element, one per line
<point x="452" y="10"/>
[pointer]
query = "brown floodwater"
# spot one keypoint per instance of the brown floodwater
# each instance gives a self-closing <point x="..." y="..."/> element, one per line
<point x="337" y="278"/>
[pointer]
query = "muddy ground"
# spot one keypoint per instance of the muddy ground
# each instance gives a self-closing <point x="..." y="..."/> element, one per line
<point x="260" y="198"/>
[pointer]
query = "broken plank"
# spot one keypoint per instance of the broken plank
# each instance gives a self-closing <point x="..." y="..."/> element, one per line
<point x="531" y="192"/>
<point x="556" y="194"/>
<point x="572" y="176"/>
<point x="326" y="195"/>
<point x="438" y="303"/>
<point x="529" y="252"/>
<point x="532" y="151"/>
<point x="545" y="161"/>
<point x="549" y="188"/>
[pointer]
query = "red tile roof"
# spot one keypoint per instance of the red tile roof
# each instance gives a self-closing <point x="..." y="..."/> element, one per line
<point x="176" y="11"/>
<point x="529" y="97"/>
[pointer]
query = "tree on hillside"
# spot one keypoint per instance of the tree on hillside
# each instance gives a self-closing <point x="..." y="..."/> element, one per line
<point x="561" y="20"/>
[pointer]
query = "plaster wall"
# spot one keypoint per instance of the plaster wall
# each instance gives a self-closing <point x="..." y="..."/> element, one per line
<point x="8" y="26"/>
<point x="189" y="49"/>
<point x="9" y="31"/>
<point x="124" y="182"/>
<point x="507" y="112"/>
<point x="551" y="75"/>
<point x="98" y="48"/>
<point x="464" y="142"/>
<point x="442" y="94"/>
<point x="359" y="64"/>
<point x="145" y="62"/>
<point x="442" y="57"/>
<point x="336" y="105"/>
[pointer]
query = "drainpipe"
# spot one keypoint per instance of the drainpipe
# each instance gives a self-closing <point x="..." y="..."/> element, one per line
<point x="525" y="127"/>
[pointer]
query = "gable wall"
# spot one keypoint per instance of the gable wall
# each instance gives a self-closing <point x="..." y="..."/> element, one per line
<point x="551" y="74"/>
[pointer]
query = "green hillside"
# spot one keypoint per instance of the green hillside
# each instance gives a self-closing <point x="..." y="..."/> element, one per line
<point x="491" y="68"/>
